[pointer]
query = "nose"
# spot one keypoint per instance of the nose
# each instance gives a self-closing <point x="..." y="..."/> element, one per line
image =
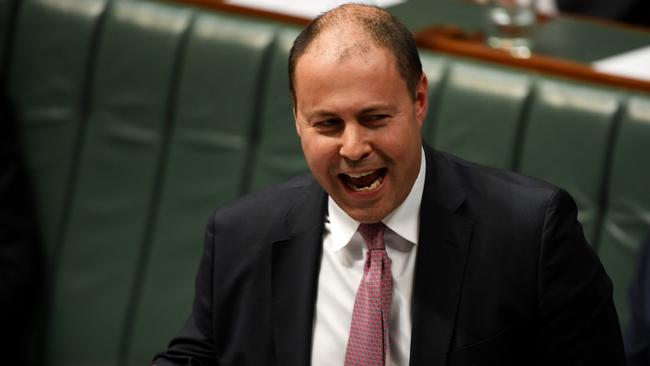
<point x="355" y="144"/>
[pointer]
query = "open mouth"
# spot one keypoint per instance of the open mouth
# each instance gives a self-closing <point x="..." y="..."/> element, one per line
<point x="365" y="181"/>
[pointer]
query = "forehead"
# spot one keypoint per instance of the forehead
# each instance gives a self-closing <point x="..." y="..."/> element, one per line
<point x="350" y="83"/>
<point x="347" y="57"/>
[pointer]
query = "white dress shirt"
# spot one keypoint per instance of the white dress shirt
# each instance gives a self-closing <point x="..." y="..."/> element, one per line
<point x="341" y="270"/>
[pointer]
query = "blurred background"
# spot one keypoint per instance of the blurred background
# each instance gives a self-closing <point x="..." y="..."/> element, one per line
<point x="125" y="123"/>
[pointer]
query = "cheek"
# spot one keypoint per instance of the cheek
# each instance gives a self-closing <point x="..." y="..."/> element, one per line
<point x="319" y="153"/>
<point x="401" y="148"/>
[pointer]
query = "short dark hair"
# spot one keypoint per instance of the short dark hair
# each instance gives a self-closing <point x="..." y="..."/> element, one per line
<point x="382" y="28"/>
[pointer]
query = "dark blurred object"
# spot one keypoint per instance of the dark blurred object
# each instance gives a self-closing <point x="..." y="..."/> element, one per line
<point x="21" y="261"/>
<point x="629" y="11"/>
<point x="7" y="9"/>
<point x="637" y="339"/>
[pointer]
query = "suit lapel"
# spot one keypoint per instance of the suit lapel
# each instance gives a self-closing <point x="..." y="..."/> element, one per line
<point x="440" y="265"/>
<point x="295" y="266"/>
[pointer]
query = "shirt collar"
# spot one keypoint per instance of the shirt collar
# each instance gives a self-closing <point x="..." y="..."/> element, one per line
<point x="404" y="220"/>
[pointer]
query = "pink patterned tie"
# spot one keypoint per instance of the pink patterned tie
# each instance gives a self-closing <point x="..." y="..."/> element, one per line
<point x="368" y="340"/>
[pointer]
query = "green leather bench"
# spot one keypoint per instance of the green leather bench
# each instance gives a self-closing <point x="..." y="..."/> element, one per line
<point x="138" y="118"/>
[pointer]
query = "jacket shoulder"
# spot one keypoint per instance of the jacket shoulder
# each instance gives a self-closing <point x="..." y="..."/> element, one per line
<point x="503" y="185"/>
<point x="269" y="204"/>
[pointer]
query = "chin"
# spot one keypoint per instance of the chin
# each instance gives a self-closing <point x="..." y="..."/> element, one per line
<point x="367" y="215"/>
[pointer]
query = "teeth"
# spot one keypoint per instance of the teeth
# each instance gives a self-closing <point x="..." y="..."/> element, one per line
<point x="371" y="187"/>
<point x="359" y="175"/>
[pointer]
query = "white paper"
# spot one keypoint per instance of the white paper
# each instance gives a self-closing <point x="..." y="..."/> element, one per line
<point x="306" y="8"/>
<point x="633" y="64"/>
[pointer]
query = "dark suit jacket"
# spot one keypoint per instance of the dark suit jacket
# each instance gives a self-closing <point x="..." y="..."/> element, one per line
<point x="637" y="340"/>
<point x="503" y="276"/>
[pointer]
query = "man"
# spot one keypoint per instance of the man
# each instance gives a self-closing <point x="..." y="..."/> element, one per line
<point x="392" y="254"/>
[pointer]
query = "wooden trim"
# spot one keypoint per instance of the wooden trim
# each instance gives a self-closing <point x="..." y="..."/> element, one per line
<point x="246" y="11"/>
<point x="452" y="40"/>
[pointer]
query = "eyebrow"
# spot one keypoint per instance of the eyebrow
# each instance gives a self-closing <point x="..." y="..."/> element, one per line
<point x="321" y="113"/>
<point x="377" y="108"/>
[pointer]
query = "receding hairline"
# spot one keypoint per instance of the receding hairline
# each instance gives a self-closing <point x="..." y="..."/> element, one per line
<point x="330" y="43"/>
<point x="364" y="27"/>
<point x="351" y="19"/>
<point x="352" y="13"/>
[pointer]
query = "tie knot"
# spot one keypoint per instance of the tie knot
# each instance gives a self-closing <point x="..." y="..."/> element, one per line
<point x="373" y="234"/>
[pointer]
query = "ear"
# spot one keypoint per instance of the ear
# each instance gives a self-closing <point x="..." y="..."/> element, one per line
<point x="422" y="99"/>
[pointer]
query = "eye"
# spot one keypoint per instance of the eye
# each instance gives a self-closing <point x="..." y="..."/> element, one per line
<point x="373" y="118"/>
<point x="328" y="124"/>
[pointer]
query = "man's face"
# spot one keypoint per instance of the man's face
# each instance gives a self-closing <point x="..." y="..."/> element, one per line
<point x="359" y="128"/>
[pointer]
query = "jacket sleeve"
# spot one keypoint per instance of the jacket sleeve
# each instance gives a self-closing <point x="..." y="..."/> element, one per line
<point x="578" y="324"/>
<point x="195" y="343"/>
